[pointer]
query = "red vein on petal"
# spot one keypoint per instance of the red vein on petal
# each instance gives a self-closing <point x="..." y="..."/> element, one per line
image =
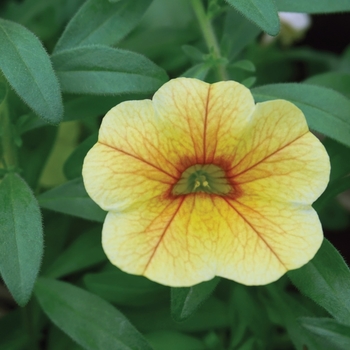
<point x="140" y="159"/>
<point x="205" y="127"/>
<point x="262" y="160"/>
<point x="163" y="234"/>
<point x="257" y="232"/>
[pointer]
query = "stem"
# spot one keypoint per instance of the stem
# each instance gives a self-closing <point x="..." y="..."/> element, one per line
<point x="209" y="35"/>
<point x="28" y="327"/>
<point x="8" y="146"/>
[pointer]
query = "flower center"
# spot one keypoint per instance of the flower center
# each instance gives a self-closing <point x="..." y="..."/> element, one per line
<point x="207" y="178"/>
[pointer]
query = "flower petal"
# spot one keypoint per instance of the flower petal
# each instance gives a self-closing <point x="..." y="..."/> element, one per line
<point x="195" y="237"/>
<point x="167" y="241"/>
<point x="207" y="119"/>
<point x="278" y="158"/>
<point x="115" y="186"/>
<point x="263" y="240"/>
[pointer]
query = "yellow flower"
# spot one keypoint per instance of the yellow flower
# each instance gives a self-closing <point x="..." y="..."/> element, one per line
<point x="201" y="182"/>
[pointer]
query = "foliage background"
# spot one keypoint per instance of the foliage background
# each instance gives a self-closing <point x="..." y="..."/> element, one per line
<point x="63" y="67"/>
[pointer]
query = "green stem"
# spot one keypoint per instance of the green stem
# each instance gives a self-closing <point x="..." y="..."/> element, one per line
<point x="28" y="327"/>
<point x="209" y="35"/>
<point x="8" y="146"/>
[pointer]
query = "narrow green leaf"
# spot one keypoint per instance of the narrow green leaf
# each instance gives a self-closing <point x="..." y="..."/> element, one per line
<point x="237" y="34"/>
<point x="88" y="319"/>
<point x="102" y="22"/>
<point x="335" y="335"/>
<point x="103" y="70"/>
<point x="338" y="81"/>
<point x="124" y="289"/>
<point x="28" y="69"/>
<point x="326" y="110"/>
<point x="286" y="309"/>
<point x="186" y="301"/>
<point x="71" y="198"/>
<point x="74" y="258"/>
<point x="326" y="280"/>
<point x="262" y="12"/>
<point x="21" y="237"/>
<point x="313" y="6"/>
<point x="73" y="166"/>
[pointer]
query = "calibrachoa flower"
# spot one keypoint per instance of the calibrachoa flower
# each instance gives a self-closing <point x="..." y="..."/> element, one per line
<point x="201" y="182"/>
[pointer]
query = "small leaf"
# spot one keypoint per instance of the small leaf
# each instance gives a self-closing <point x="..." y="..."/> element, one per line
<point x="21" y="237"/>
<point x="199" y="71"/>
<point x="313" y="6"/>
<point x="245" y="65"/>
<point x="186" y="301"/>
<point x="249" y="82"/>
<point x="86" y="318"/>
<point x="71" y="198"/>
<point x="335" y="335"/>
<point x="262" y="12"/>
<point x="102" y="22"/>
<point x="28" y="69"/>
<point x="326" y="280"/>
<point x="99" y="69"/>
<point x="74" y="259"/>
<point x="326" y="111"/>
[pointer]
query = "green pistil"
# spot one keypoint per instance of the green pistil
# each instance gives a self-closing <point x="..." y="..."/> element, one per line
<point x="206" y="178"/>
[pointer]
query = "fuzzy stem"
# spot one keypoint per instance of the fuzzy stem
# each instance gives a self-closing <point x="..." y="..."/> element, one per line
<point x="209" y="35"/>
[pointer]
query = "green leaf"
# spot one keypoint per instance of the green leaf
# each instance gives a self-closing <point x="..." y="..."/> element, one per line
<point x="3" y="92"/>
<point x="335" y="335"/>
<point x="326" y="280"/>
<point x="21" y="237"/>
<point x="172" y="340"/>
<point x="245" y="65"/>
<point x="71" y="198"/>
<point x="58" y="340"/>
<point x="186" y="301"/>
<point x="262" y="12"/>
<point x="199" y="71"/>
<point x="336" y="187"/>
<point x="88" y="319"/>
<point x="100" y="69"/>
<point x="247" y="313"/>
<point x="28" y="69"/>
<point x="338" y="81"/>
<point x="212" y="315"/>
<point x="74" y="258"/>
<point x="102" y="22"/>
<point x="121" y="288"/>
<point x="74" y="164"/>
<point x="313" y="6"/>
<point x="238" y="33"/>
<point x="285" y="309"/>
<point x="326" y="111"/>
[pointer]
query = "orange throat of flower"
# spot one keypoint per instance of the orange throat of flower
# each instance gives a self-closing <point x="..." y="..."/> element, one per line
<point x="205" y="178"/>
